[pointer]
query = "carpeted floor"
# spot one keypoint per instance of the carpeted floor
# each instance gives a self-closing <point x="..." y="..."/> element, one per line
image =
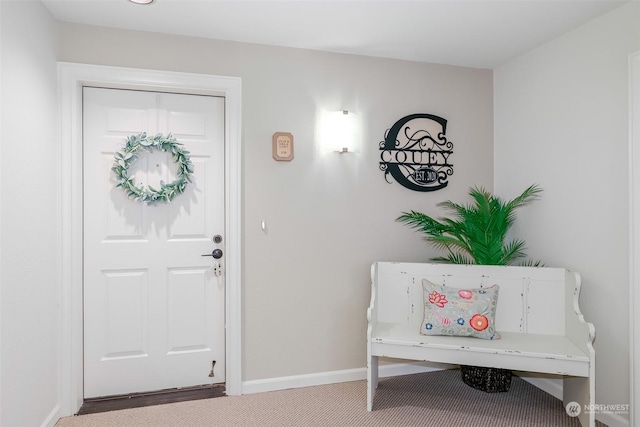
<point x="435" y="399"/>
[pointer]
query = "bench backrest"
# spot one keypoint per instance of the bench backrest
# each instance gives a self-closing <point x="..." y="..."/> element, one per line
<point x="530" y="300"/>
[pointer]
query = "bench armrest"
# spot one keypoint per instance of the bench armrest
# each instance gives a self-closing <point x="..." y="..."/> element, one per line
<point x="577" y="329"/>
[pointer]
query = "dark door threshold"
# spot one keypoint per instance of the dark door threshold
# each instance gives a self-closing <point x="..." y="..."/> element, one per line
<point x="160" y="397"/>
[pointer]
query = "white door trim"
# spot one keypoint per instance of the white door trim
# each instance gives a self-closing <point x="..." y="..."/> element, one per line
<point x="634" y="236"/>
<point x="72" y="77"/>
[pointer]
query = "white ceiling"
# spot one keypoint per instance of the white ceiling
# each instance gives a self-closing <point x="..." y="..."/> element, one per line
<point x="472" y="33"/>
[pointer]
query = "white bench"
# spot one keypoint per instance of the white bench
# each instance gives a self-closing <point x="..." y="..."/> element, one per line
<point x="537" y="316"/>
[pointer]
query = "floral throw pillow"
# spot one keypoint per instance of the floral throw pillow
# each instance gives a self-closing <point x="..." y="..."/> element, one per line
<point x="459" y="312"/>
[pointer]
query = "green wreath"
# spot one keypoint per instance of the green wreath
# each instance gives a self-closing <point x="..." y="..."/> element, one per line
<point x="125" y="158"/>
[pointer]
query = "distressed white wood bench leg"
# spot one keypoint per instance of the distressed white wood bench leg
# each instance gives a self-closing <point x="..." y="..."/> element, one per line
<point x="581" y="391"/>
<point x="372" y="380"/>
<point x="372" y="361"/>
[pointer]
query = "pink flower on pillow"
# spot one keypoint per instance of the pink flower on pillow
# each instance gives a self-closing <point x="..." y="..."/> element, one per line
<point x="465" y="294"/>
<point x="437" y="299"/>
<point x="479" y="322"/>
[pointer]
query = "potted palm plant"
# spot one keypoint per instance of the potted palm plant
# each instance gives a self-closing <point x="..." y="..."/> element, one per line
<point x="477" y="234"/>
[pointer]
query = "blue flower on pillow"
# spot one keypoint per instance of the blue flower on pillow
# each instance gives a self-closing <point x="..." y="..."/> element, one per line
<point x="460" y="321"/>
<point x="428" y="326"/>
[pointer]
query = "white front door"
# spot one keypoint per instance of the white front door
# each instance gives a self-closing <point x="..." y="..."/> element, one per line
<point x="153" y="305"/>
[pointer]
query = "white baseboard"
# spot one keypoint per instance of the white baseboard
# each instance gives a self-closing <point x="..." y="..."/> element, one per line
<point x="551" y="385"/>
<point x="52" y="418"/>
<point x="387" y="368"/>
<point x="305" y="380"/>
<point x="613" y="420"/>
<point x="332" y="377"/>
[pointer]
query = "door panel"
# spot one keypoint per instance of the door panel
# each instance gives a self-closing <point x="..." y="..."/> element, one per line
<point x="153" y="306"/>
<point x="127" y="314"/>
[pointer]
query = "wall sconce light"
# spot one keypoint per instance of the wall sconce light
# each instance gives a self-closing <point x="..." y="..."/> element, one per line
<point x="341" y="132"/>
<point x="345" y="129"/>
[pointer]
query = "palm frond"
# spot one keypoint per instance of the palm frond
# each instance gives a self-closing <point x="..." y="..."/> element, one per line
<point x="528" y="196"/>
<point x="531" y="263"/>
<point x="449" y="243"/>
<point x="474" y="233"/>
<point x="454" y="258"/>
<point x="513" y="251"/>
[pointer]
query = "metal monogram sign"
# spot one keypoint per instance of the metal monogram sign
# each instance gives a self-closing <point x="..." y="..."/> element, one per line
<point x="415" y="151"/>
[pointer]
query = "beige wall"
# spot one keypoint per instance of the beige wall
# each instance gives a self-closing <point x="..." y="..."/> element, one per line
<point x="561" y="119"/>
<point x="329" y="216"/>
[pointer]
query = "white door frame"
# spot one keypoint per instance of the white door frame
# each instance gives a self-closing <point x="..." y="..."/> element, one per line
<point x="634" y="236"/>
<point x="72" y="77"/>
